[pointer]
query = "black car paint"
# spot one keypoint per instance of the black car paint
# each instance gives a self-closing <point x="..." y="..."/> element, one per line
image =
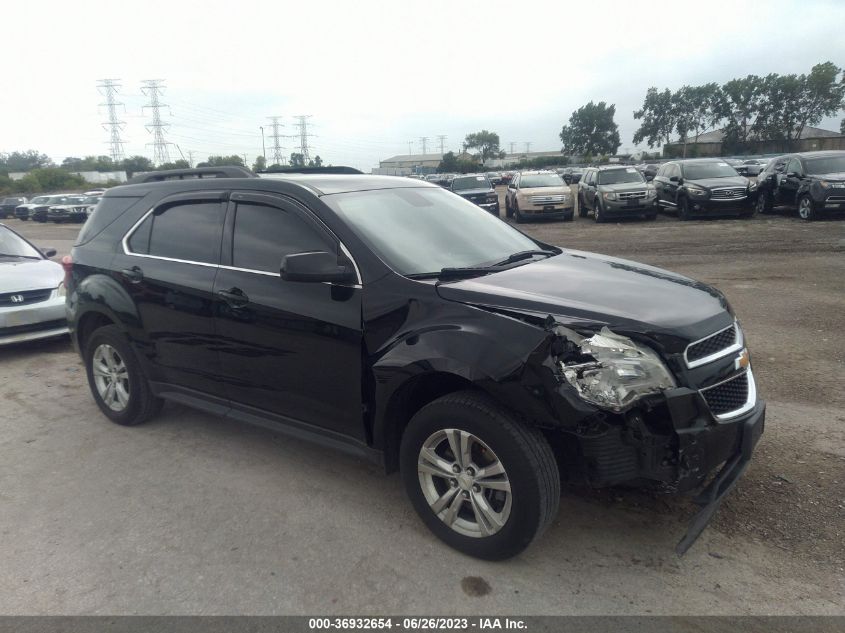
<point x="399" y="343"/>
<point x="783" y="187"/>
<point x="671" y="192"/>
<point x="484" y="196"/>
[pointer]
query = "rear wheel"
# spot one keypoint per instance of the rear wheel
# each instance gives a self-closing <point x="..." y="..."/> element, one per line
<point x="807" y="209"/>
<point x="508" y="210"/>
<point x="117" y="383"/>
<point x="483" y="483"/>
<point x="764" y="202"/>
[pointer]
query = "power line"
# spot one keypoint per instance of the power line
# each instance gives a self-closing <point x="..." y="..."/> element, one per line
<point x="303" y="136"/>
<point x="278" y="156"/>
<point x="153" y="89"/>
<point x="109" y="89"/>
<point x="442" y="139"/>
<point x="423" y="141"/>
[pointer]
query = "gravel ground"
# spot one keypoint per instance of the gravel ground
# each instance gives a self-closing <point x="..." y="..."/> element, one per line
<point x="192" y="514"/>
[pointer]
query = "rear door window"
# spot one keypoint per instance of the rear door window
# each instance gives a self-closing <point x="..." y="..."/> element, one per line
<point x="185" y="231"/>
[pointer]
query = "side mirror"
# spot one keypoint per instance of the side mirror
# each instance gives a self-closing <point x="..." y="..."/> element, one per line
<point x="49" y="252"/>
<point x="792" y="174"/>
<point x="315" y="266"/>
<point x="674" y="179"/>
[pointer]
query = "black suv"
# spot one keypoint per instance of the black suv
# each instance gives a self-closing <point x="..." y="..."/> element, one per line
<point x="395" y="320"/>
<point x="7" y="206"/>
<point x="615" y="192"/>
<point x="812" y="182"/>
<point x="702" y="186"/>
<point x="477" y="189"/>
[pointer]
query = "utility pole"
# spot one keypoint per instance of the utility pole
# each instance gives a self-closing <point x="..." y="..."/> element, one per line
<point x="278" y="157"/>
<point x="442" y="139"/>
<point x="191" y="158"/>
<point x="109" y="89"/>
<point x="410" y="149"/>
<point x="246" y="161"/>
<point x="153" y="89"/>
<point x="302" y="124"/>
<point x="527" y="146"/>
<point x="512" y="144"/>
<point x="263" y="145"/>
<point x="423" y="142"/>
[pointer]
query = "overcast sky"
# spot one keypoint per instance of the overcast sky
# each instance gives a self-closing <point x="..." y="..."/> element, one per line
<point x="375" y="75"/>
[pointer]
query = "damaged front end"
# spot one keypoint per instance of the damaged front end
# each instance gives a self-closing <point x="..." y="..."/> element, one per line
<point x="645" y="426"/>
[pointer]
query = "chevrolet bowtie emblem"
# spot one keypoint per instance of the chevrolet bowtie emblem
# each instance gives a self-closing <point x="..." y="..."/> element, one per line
<point x="742" y="361"/>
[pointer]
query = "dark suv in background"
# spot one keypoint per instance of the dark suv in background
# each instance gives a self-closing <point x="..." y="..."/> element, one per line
<point x="811" y="182"/>
<point x="477" y="189"/>
<point x="394" y="320"/>
<point x="615" y="192"/>
<point x="702" y="187"/>
<point x="7" y="206"/>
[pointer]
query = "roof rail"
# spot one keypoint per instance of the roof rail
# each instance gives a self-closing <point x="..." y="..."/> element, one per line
<point x="229" y="171"/>
<point x="328" y="169"/>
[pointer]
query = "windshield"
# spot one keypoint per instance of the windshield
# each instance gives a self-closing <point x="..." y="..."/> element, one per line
<point x="617" y="176"/>
<point x="424" y="230"/>
<point x="40" y="200"/>
<point x="12" y="244"/>
<point x="11" y="201"/>
<point x="540" y="180"/>
<point x="470" y="182"/>
<point x="829" y="165"/>
<point x="74" y="200"/>
<point x="698" y="171"/>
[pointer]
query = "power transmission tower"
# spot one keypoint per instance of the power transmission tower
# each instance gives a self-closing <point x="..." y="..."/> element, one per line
<point x="278" y="156"/>
<point x="153" y="88"/>
<point x="410" y="149"/>
<point x="527" y="146"/>
<point x="109" y="89"/>
<point x="302" y="124"/>
<point x="512" y="144"/>
<point x="442" y="139"/>
<point x="423" y="142"/>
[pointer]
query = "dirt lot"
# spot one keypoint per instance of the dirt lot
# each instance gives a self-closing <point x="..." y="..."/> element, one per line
<point x="192" y="514"/>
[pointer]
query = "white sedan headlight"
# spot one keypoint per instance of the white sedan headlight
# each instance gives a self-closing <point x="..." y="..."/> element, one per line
<point x="620" y="373"/>
<point x="60" y="291"/>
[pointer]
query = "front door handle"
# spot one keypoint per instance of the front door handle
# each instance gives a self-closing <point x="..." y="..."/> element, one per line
<point x="134" y="275"/>
<point x="234" y="297"/>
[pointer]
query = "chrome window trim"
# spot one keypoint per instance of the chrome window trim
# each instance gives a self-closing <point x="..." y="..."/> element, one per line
<point x="750" y="402"/>
<point x="738" y="344"/>
<point x="126" y="251"/>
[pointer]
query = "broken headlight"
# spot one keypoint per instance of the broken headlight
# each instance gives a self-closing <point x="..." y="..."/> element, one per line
<point x="613" y="371"/>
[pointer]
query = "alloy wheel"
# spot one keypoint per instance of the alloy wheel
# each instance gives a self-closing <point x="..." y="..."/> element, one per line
<point x="111" y="377"/>
<point x="805" y="208"/>
<point x="464" y="483"/>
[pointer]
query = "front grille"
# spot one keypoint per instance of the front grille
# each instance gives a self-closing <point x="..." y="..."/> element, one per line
<point x="25" y="297"/>
<point x="631" y="195"/>
<point x="712" y="344"/>
<point x="547" y="199"/>
<point x="727" y="396"/>
<point x="731" y="193"/>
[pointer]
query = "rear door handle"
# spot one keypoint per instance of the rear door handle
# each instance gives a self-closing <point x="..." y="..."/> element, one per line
<point x="134" y="275"/>
<point x="234" y="297"/>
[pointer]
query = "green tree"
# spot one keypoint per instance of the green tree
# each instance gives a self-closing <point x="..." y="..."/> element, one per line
<point x="696" y="108"/>
<point x="739" y="102"/>
<point x="317" y="162"/>
<point x="260" y="164"/>
<point x="779" y="115"/>
<point x="135" y="164"/>
<point x="223" y="161"/>
<point x="297" y="159"/>
<point x="486" y="145"/>
<point x="591" y="130"/>
<point x="821" y="96"/>
<point x="658" y="118"/>
<point x="448" y="164"/>
<point x="24" y="161"/>
<point x="176" y="164"/>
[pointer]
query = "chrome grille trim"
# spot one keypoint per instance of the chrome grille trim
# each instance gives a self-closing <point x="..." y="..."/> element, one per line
<point x="737" y="346"/>
<point x="728" y="193"/>
<point x="631" y="195"/>
<point x="750" y="399"/>
<point x="547" y="199"/>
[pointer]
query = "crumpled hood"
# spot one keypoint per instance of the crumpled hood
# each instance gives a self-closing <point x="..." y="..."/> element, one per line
<point x="17" y="275"/>
<point x="581" y="286"/>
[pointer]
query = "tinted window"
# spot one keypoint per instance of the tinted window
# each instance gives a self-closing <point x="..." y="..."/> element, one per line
<point x="264" y="235"/>
<point x="619" y="176"/>
<point x="827" y="165"/>
<point x="471" y="182"/>
<point x="541" y="180"/>
<point x="794" y="166"/>
<point x="189" y="231"/>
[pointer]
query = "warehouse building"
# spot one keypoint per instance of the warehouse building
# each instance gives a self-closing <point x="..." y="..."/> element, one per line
<point x="405" y="164"/>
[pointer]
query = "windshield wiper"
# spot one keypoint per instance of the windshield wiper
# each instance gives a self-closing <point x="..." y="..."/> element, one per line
<point x="516" y="257"/>
<point x="23" y="256"/>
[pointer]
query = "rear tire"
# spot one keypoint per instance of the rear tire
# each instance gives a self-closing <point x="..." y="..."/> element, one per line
<point x="491" y="517"/>
<point x="508" y="210"/>
<point x="109" y="360"/>
<point x="764" y="203"/>
<point x="598" y="214"/>
<point x="517" y="215"/>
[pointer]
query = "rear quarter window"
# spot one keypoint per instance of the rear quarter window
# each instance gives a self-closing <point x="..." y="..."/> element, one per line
<point x="108" y="209"/>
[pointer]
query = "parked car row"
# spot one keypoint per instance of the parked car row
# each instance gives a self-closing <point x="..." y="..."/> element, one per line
<point x="62" y="207"/>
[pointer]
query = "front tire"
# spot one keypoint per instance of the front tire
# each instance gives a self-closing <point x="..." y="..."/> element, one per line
<point x="117" y="383"/>
<point x="583" y="211"/>
<point x="519" y="217"/>
<point x="598" y="213"/>
<point x="764" y="203"/>
<point x="683" y="210"/>
<point x="807" y="209"/>
<point x="483" y="483"/>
